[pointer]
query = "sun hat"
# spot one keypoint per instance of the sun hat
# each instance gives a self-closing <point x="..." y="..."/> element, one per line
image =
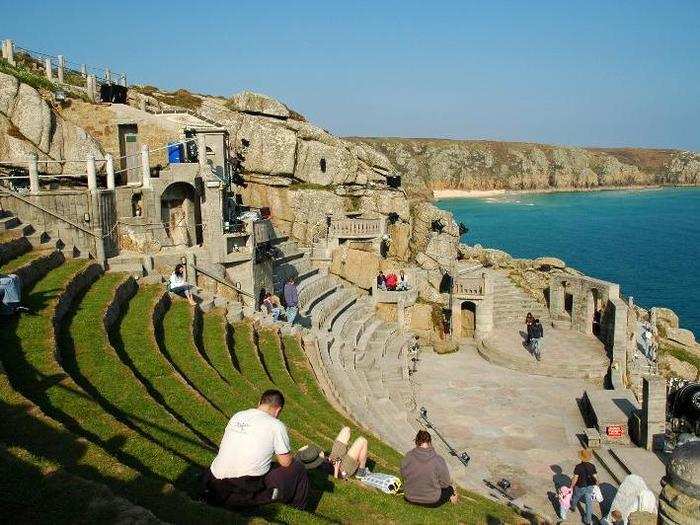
<point x="310" y="456"/>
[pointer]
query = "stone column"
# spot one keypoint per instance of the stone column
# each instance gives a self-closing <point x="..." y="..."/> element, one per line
<point x="47" y="67"/>
<point x="108" y="75"/>
<point x="61" y="67"/>
<point x="456" y="322"/>
<point x="202" y="153"/>
<point x="90" y="84"/>
<point x="653" y="412"/>
<point x="83" y="71"/>
<point x="8" y="51"/>
<point x="145" y="167"/>
<point x="484" y="308"/>
<point x="33" y="174"/>
<point x="91" y="173"/>
<point x="679" y="503"/>
<point x="109" y="166"/>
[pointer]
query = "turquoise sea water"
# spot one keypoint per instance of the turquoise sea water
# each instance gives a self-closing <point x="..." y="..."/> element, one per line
<point x="646" y="240"/>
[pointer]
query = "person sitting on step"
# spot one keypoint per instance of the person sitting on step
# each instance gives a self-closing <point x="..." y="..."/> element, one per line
<point x="271" y="305"/>
<point x="425" y="475"/>
<point x="11" y="294"/>
<point x="349" y="461"/>
<point x="403" y="282"/>
<point x="177" y="284"/>
<point x="240" y="475"/>
<point x="391" y="281"/>
<point x="381" y="281"/>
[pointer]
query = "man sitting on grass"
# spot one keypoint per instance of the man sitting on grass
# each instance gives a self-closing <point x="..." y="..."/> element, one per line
<point x="240" y="475"/>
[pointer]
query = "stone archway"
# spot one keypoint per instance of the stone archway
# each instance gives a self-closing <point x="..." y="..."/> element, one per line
<point x="181" y="214"/>
<point x="468" y="318"/>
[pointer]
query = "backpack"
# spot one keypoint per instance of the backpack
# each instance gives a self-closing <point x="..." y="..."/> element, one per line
<point x="385" y="482"/>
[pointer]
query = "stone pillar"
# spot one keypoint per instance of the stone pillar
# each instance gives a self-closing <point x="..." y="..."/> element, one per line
<point x="83" y="71"/>
<point x="8" y="51"/>
<point x="653" y="412"/>
<point x="47" y="67"/>
<point x="456" y="322"/>
<point x="91" y="173"/>
<point x="556" y="297"/>
<point x="202" y="153"/>
<point x="109" y="166"/>
<point x="61" y="67"/>
<point x="679" y="503"/>
<point x="33" y="174"/>
<point x="90" y="84"/>
<point x="108" y="75"/>
<point x="145" y="167"/>
<point x="484" y="308"/>
<point x="123" y="79"/>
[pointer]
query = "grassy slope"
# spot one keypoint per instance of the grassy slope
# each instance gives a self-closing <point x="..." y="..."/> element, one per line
<point x="136" y="344"/>
<point x="88" y="355"/>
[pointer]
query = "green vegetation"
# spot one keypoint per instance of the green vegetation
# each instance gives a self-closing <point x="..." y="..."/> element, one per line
<point x="16" y="263"/>
<point x="179" y="98"/>
<point x="135" y="343"/>
<point x="26" y="76"/>
<point x="680" y="353"/>
<point x="88" y="356"/>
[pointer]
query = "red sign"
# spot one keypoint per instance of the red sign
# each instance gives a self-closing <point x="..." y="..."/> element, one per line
<point x="615" y="431"/>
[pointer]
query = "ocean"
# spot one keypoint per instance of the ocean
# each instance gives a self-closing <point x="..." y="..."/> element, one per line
<point x="646" y="240"/>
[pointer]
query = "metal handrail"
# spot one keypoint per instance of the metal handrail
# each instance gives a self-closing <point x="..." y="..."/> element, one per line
<point x="49" y="212"/>
<point x="224" y="282"/>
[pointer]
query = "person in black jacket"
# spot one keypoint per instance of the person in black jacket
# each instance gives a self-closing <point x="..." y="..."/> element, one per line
<point x="537" y="332"/>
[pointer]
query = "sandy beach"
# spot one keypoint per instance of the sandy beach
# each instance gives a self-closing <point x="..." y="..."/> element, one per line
<point x="464" y="194"/>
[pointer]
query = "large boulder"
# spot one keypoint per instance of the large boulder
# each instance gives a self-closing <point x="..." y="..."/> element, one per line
<point x="321" y="164"/>
<point x="268" y="148"/>
<point x="258" y="104"/>
<point x="548" y="263"/>
<point x="356" y="266"/>
<point x="681" y="335"/>
<point x="29" y="125"/>
<point x="666" y="316"/>
<point x="673" y="367"/>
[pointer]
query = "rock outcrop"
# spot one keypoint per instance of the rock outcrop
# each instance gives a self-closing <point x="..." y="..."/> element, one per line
<point x="428" y="164"/>
<point x="28" y="124"/>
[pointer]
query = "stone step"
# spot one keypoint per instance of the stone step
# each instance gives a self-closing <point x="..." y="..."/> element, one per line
<point x="9" y="222"/>
<point x="610" y="463"/>
<point x="343" y="305"/>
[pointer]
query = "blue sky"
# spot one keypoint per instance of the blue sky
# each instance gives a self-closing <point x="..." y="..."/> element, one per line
<point x="609" y="73"/>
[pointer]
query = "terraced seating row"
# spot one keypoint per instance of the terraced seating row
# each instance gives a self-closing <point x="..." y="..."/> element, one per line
<point x="363" y="358"/>
<point x="111" y="385"/>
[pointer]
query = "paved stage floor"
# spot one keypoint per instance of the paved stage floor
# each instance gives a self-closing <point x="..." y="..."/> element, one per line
<point x="515" y="425"/>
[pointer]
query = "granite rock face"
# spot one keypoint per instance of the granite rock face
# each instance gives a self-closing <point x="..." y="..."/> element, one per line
<point x="430" y="164"/>
<point x="29" y="125"/>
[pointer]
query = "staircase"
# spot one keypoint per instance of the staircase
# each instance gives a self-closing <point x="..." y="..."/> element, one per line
<point x="363" y="359"/>
<point x="511" y="304"/>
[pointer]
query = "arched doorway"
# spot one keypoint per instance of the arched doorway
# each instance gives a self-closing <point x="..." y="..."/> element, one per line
<point x="468" y="319"/>
<point x="181" y="214"/>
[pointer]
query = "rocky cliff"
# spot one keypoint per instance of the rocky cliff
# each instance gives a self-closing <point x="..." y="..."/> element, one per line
<point x="430" y="164"/>
<point x="29" y="123"/>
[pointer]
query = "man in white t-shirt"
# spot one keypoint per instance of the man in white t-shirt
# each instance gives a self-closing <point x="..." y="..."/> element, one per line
<point x="240" y="474"/>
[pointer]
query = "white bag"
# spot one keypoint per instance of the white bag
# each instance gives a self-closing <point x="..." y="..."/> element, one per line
<point x="597" y="494"/>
